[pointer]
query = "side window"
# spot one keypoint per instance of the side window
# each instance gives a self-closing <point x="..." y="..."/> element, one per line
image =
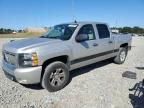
<point x="103" y="31"/>
<point x="88" y="30"/>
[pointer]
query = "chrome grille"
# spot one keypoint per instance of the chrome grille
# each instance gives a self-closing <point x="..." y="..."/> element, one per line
<point x="10" y="58"/>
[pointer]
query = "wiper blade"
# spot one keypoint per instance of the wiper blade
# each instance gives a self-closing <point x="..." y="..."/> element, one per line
<point x="54" y="37"/>
<point x="50" y="37"/>
<point x="43" y="37"/>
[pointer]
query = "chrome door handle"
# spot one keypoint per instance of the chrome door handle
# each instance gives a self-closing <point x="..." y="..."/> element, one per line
<point x="95" y="44"/>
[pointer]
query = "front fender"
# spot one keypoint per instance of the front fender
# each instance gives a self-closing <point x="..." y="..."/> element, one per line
<point x="52" y="52"/>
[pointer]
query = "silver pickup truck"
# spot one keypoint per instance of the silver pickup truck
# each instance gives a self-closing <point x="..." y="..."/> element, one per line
<point x="49" y="58"/>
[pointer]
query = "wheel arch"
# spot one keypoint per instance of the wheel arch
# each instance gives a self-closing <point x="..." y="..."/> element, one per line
<point x="124" y="45"/>
<point x="62" y="58"/>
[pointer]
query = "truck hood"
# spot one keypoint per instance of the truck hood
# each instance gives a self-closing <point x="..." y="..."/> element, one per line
<point x="28" y="43"/>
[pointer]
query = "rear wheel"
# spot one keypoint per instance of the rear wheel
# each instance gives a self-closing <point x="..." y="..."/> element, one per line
<point x="120" y="58"/>
<point x="55" y="77"/>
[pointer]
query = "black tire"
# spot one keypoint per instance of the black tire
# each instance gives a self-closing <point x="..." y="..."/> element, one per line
<point x="118" y="59"/>
<point x="52" y="81"/>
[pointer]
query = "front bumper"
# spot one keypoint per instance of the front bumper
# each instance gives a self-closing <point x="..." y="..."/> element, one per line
<point x="30" y="75"/>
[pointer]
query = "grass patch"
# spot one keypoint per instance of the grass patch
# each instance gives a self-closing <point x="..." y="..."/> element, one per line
<point x="20" y="35"/>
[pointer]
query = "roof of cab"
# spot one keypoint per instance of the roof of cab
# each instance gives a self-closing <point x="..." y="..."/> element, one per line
<point x="85" y="22"/>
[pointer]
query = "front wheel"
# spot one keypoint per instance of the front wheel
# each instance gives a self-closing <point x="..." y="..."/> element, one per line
<point x="120" y="58"/>
<point x="55" y="77"/>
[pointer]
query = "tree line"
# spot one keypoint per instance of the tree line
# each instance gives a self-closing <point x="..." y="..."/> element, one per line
<point x="5" y="31"/>
<point x="8" y="31"/>
<point x="136" y="30"/>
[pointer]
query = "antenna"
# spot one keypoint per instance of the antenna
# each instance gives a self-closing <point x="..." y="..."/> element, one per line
<point x="116" y="24"/>
<point x="116" y="27"/>
<point x="73" y="10"/>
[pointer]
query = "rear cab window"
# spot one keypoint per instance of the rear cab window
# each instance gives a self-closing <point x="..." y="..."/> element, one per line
<point x="103" y="31"/>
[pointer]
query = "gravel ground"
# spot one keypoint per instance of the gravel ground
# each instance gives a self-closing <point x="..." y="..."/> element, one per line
<point x="100" y="85"/>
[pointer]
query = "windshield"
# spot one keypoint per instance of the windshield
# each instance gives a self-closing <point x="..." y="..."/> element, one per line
<point x="63" y="32"/>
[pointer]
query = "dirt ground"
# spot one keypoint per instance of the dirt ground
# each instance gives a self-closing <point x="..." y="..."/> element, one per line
<point x="100" y="85"/>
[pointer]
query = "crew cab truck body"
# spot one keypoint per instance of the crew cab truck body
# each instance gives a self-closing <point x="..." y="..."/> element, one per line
<point x="49" y="58"/>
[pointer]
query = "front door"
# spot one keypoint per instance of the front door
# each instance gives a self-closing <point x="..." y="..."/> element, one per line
<point x="84" y="51"/>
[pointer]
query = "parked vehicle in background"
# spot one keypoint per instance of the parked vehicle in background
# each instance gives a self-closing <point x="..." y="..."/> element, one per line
<point x="48" y="59"/>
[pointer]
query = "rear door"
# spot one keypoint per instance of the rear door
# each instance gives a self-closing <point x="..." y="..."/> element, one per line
<point x="106" y="41"/>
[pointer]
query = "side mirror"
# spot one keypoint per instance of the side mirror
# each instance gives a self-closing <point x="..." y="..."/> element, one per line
<point x="81" y="37"/>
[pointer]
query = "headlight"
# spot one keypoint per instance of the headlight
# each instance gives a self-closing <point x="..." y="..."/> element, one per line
<point x="28" y="60"/>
